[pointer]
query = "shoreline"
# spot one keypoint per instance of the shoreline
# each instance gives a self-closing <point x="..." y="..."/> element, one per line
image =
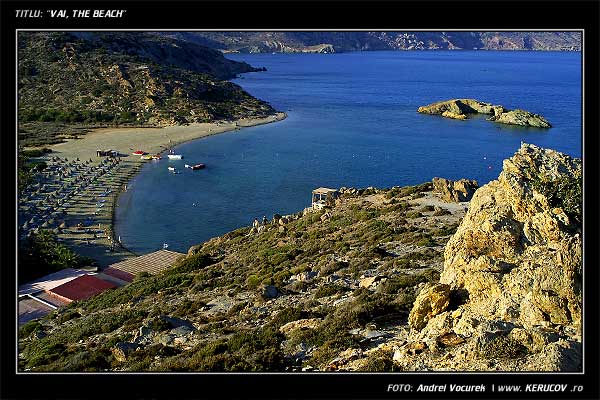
<point x="123" y="140"/>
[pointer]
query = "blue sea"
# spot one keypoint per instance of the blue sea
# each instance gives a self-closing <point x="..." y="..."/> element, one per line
<point x="352" y="121"/>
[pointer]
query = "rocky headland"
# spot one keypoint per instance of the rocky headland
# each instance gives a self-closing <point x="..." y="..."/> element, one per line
<point x="420" y="278"/>
<point x="71" y="82"/>
<point x="336" y="42"/>
<point x="461" y="108"/>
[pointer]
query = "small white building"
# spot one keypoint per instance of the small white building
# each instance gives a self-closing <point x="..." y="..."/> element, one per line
<point x="321" y="196"/>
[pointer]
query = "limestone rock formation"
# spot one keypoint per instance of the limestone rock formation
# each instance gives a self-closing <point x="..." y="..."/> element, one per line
<point x="513" y="270"/>
<point x="521" y="117"/>
<point x="459" y="108"/>
<point x="517" y="252"/>
<point x="454" y="191"/>
<point x="431" y="301"/>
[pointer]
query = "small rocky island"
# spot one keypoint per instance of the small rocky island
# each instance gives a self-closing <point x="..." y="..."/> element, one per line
<point x="460" y="108"/>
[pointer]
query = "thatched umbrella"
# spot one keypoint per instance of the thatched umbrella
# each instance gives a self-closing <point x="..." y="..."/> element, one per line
<point x="63" y="225"/>
<point x="45" y="224"/>
<point x="25" y="226"/>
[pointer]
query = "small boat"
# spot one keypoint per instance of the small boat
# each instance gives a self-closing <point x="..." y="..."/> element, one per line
<point x="187" y="166"/>
<point x="138" y="153"/>
<point x="146" y="157"/>
<point x="198" y="166"/>
<point x="174" y="156"/>
<point x="156" y="157"/>
<point x="171" y="168"/>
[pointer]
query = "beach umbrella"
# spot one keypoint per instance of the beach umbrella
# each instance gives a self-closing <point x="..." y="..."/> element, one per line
<point x="56" y="230"/>
<point x="25" y="226"/>
<point x="32" y="220"/>
<point x="63" y="225"/>
<point x="45" y="224"/>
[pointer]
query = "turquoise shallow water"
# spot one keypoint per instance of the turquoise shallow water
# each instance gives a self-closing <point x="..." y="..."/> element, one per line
<point x="352" y="121"/>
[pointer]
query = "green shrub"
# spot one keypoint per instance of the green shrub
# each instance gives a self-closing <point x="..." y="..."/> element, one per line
<point x="29" y="327"/>
<point x="379" y="361"/>
<point x="441" y="211"/>
<point x="446" y="230"/>
<point x="501" y="347"/>
<point x="160" y="324"/>
<point x="87" y="361"/>
<point x="68" y="315"/>
<point x="329" y="290"/>
<point x="426" y="242"/>
<point x="191" y="263"/>
<point x="398" y="283"/>
<point x="562" y="192"/>
<point x="42" y="254"/>
<point x="36" y="152"/>
<point x="413" y="214"/>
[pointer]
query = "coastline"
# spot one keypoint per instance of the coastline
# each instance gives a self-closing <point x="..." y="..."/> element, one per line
<point x="125" y="141"/>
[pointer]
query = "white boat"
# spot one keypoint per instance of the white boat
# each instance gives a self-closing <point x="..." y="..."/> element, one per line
<point x="174" y="156"/>
<point x="171" y="168"/>
<point x="187" y="166"/>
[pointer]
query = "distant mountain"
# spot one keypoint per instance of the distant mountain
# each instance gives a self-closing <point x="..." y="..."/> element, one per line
<point x="127" y="78"/>
<point x="335" y="42"/>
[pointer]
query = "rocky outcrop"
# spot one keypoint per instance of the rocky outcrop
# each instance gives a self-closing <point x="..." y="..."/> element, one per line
<point x="460" y="108"/>
<point x="521" y="117"/>
<point x="514" y="270"/>
<point x="517" y="252"/>
<point x="454" y="191"/>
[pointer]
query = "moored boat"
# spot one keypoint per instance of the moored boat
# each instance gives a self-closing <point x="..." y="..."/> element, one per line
<point x="198" y="166"/>
<point x="146" y="157"/>
<point x="175" y="156"/>
<point x="156" y="157"/>
<point x="138" y="153"/>
<point x="171" y="168"/>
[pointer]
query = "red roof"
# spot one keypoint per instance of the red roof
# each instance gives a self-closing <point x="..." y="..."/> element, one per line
<point x="117" y="273"/>
<point x="82" y="288"/>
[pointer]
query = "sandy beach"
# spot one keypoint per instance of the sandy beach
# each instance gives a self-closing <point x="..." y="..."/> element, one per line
<point x="93" y="205"/>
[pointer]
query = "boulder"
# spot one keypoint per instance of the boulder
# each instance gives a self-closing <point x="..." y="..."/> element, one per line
<point x="270" y="292"/>
<point x="301" y="324"/>
<point x="368" y="282"/>
<point x="122" y="349"/>
<point x="431" y="301"/>
<point x="305" y="276"/>
<point x="454" y="191"/>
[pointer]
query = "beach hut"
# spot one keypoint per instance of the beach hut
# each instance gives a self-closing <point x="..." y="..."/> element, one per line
<point x="321" y="196"/>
